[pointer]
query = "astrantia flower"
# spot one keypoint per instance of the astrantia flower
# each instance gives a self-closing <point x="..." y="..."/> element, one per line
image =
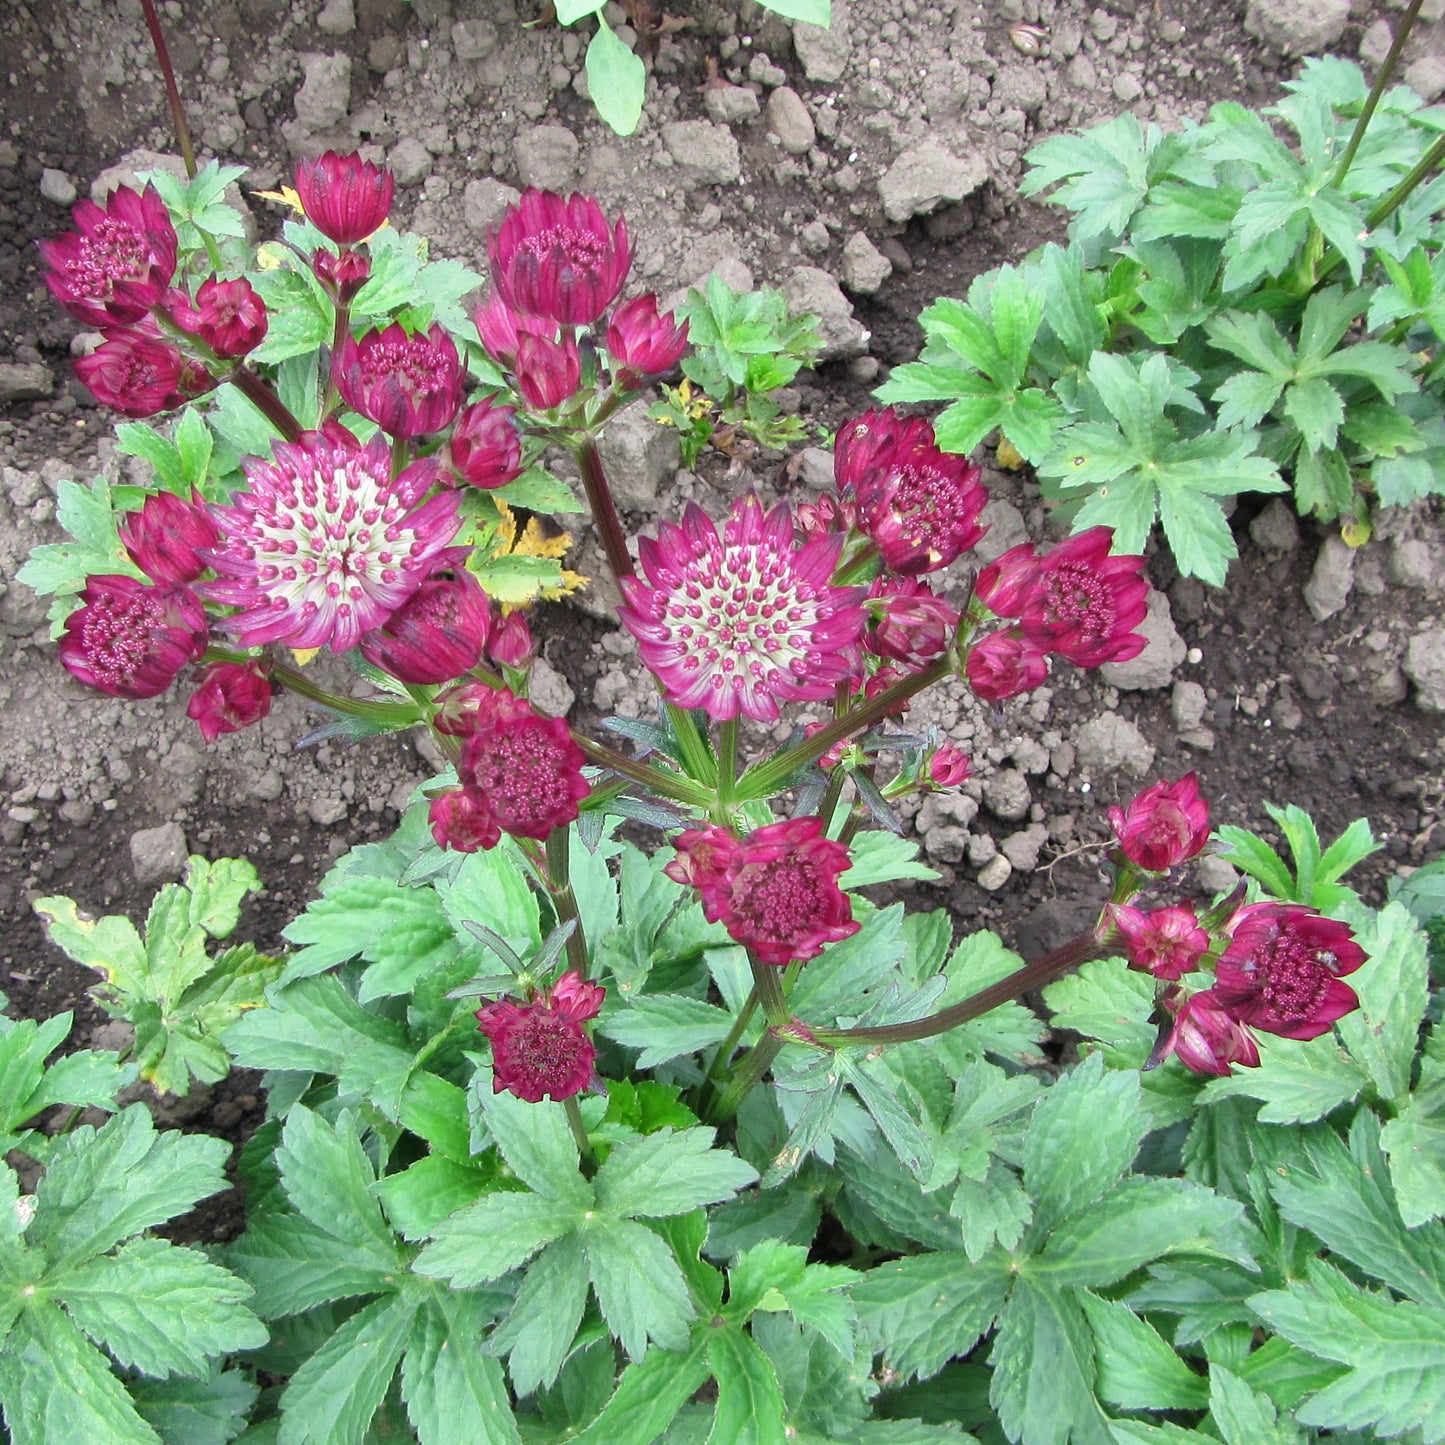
<point x="949" y="766"/>
<point x="1005" y="664"/>
<point x="501" y="328"/>
<point x="461" y="710"/>
<point x="139" y="375"/>
<point x="829" y="513"/>
<point x="1207" y="1038"/>
<point x="130" y="639"/>
<point x="524" y="767"/>
<point x="119" y="263"/>
<point x="548" y="372"/>
<point x="1166" y="942"/>
<point x="740" y="622"/>
<point x="512" y="643"/>
<point x="911" y="625"/>
<point x="439" y="631"/>
<point x="486" y="448"/>
<point x="228" y="316"/>
<point x="919" y="505"/>
<point x="558" y="258"/>
<point x="322" y="545"/>
<point x="1004" y="584"/>
<point x="344" y="197"/>
<point x="1084" y="604"/>
<point x="540" y="1049"/>
<point x="642" y="343"/>
<point x="409" y="386"/>
<point x="342" y="276"/>
<point x="165" y="537"/>
<point x="461" y="821"/>
<point x="1282" y="970"/>
<point x="1167" y="823"/>
<point x="229" y="697"/>
<point x="776" y="892"/>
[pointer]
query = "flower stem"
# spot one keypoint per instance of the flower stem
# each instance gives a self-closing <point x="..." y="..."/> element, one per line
<point x="769" y="991"/>
<point x="604" y="511"/>
<point x="727" y="760"/>
<point x="338" y="336"/>
<point x="720" y="1060"/>
<point x="665" y="784"/>
<point x="391" y="714"/>
<point x="1386" y="75"/>
<point x="173" y="94"/>
<point x="260" y="395"/>
<point x="750" y="1071"/>
<point x="559" y="877"/>
<point x="579" y="1132"/>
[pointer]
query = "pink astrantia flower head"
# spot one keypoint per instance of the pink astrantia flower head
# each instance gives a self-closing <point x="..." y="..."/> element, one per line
<point x="912" y="624"/>
<point x="512" y="643"/>
<point x="1167" y="823"/>
<point x="1004" y="584"/>
<point x="642" y="343"/>
<point x="137" y="374"/>
<point x="1282" y="970"/>
<point x="540" y="1049"/>
<point x="439" y="631"/>
<point x="919" y="505"/>
<point x="558" y="258"/>
<point x="548" y="372"/>
<point x="322" y="545"/>
<point x="501" y="328"/>
<point x="164" y="538"/>
<point x="130" y="639"/>
<point x="737" y="623"/>
<point x="410" y="386"/>
<point x="775" y="891"/>
<point x="230" y="696"/>
<point x="1084" y="604"/>
<point x="342" y="275"/>
<point x="228" y="316"/>
<point x="949" y="767"/>
<point x="1005" y="664"/>
<point x="486" y="448"/>
<point x="344" y="197"/>
<point x="524" y="767"/>
<point x="1207" y="1038"/>
<point x="117" y="265"/>
<point x="1166" y="942"/>
<point x="460" y="820"/>
<point x="462" y="709"/>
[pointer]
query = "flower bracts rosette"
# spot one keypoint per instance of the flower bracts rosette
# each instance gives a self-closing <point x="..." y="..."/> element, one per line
<point x="130" y="638"/>
<point x="409" y="385"/>
<point x="540" y="1049"/>
<point x="1166" y="824"/>
<point x="344" y="197"/>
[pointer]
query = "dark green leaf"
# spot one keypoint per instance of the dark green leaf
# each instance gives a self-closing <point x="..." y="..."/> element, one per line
<point x="454" y="1393"/>
<point x="648" y="1396"/>
<point x="294" y="1266"/>
<point x="540" y="1329"/>
<point x="642" y="1292"/>
<point x="209" y="1411"/>
<point x="1137" y="1369"/>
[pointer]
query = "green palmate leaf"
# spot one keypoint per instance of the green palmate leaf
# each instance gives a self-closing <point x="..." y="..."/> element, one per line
<point x="299" y="316"/>
<point x="775" y="1277"/>
<point x="835" y="982"/>
<point x="1106" y="1000"/>
<point x="749" y="1399"/>
<point x="538" y="1333"/>
<point x="136" y="439"/>
<point x="536" y="1140"/>
<point x="209" y="1411"/>
<point x="648" y="1396"/>
<point x="494" y="1236"/>
<point x="454" y="1393"/>
<point x="294" y="1266"/>
<point x="666" y="1026"/>
<point x="1136" y="1368"/>
<point x="328" y="1178"/>
<point x="991" y="1210"/>
<point x="669" y="1172"/>
<point x="616" y="80"/>
<point x="1244" y="1416"/>
<point x="1394" y="1352"/>
<point x="1286" y="1373"/>
<point x="1298" y="1081"/>
<point x="639" y="1286"/>
<point x="27" y="1086"/>
<point x="1414" y="1140"/>
<point x="1011" y="1030"/>
<point x="420" y="1197"/>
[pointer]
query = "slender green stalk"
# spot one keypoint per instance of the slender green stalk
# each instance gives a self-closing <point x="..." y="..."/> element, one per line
<point x="260" y="395"/>
<point x="727" y="760"/>
<point x="389" y="714"/>
<point x="604" y="511"/>
<point x="1382" y="80"/>
<point x="724" y="1054"/>
<point x="579" y="1132"/>
<point x="559" y="876"/>
<point x="399" y="449"/>
<point x="749" y="1072"/>
<point x="173" y="94"/>
<point x="339" y="333"/>
<point x="665" y="784"/>
<point x="769" y="990"/>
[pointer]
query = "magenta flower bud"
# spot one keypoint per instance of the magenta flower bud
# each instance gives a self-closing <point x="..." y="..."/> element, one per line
<point x="913" y="625"/>
<point x="643" y="344"/>
<point x="140" y="375"/>
<point x="119" y="263"/>
<point x="461" y="821"/>
<point x="461" y="710"/>
<point x="1004" y="585"/>
<point x="775" y="891"/>
<point x="512" y="644"/>
<point x="1282" y="970"/>
<point x="229" y="697"/>
<point x="1005" y="664"/>
<point x="501" y="329"/>
<point x="540" y="1049"/>
<point x="344" y="197"/>
<point x="130" y="639"/>
<point x="1207" y="1039"/>
<point x="165" y="535"/>
<point x="1167" y="823"/>
<point x="830" y="513"/>
<point x="342" y="275"/>
<point x="1167" y="942"/>
<point x="227" y="315"/>
<point x="486" y="448"/>
<point x="1084" y="604"/>
<point x="438" y="633"/>
<point x="410" y="386"/>
<point x="548" y="372"/>
<point x="949" y="767"/>
<point x="881" y="681"/>
<point x="557" y="258"/>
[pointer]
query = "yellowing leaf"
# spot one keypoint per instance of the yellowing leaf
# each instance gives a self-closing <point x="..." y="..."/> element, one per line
<point x="303" y="655"/>
<point x="1355" y="531"/>
<point x="286" y="196"/>
<point x="534" y="543"/>
<point x="1008" y="455"/>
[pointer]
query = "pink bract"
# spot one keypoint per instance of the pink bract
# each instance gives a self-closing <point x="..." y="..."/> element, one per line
<point x="228" y="316"/>
<point x="949" y="766"/>
<point x="501" y="328"/>
<point x="342" y="275"/>
<point x="1005" y="664"/>
<point x="512" y="643"/>
<point x="461" y="821"/>
<point x="1166" y="824"/>
<point x="130" y="639"/>
<point x="911" y="624"/>
<point x="1084" y="604"/>
<point x="137" y="374"/>
<point x="322" y="545"/>
<point x="1167" y="942"/>
<point x="642" y="343"/>
<point x="548" y="372"/>
<point x="486" y="448"/>
<point x="165" y="537"/>
<point x="540" y="1049"/>
<point x="558" y="258"/>
<point x="344" y="197"/>
<point x="1208" y="1039"/>
<point x="410" y="386"/>
<point x="740" y="622"/>
<point x="438" y="633"/>
<point x="1004" y="584"/>
<point x="230" y="696"/>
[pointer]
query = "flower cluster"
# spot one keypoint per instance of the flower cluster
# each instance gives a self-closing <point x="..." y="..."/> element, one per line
<point x="540" y="1049"/>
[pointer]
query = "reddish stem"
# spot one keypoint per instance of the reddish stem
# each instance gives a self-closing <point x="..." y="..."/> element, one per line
<point x="173" y="94"/>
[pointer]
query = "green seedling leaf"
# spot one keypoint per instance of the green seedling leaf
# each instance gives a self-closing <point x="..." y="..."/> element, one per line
<point x="616" y="80"/>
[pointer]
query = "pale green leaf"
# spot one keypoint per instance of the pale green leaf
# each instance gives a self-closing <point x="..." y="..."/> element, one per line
<point x="294" y="1266"/>
<point x="1245" y="1416"/>
<point x="1299" y="1081"/>
<point x="539" y="1331"/>
<point x="1137" y="1369"/>
<point x="536" y="1140"/>
<point x="639" y="1286"/>
<point x="494" y="1236"/>
<point x="1414" y="1140"/>
<point x="648" y="1396"/>
<point x="749" y="1400"/>
<point x="669" y="1172"/>
<point x="616" y="80"/>
<point x="666" y="1026"/>
<point x="328" y="1177"/>
<point x="454" y="1393"/>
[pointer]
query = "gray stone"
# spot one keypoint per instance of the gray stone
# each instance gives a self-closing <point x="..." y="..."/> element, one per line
<point x="1330" y="583"/>
<point x="474" y="39"/>
<point x="1111" y="744"/>
<point x="823" y="51"/>
<point x="1127" y="88"/>
<point x="325" y="93"/>
<point x="337" y="17"/>
<point x="25" y="381"/>
<point x="815" y="468"/>
<point x="1187" y="704"/>
<point x="788" y="119"/>
<point x="1375" y="43"/>
<point x="409" y="160"/>
<point x="1426" y="77"/>
<point x="810" y="289"/>
<point x="865" y="267"/>
<point x="731" y="104"/>
<point x="1276" y="529"/>
<point x="1081" y="73"/>
<point x="546" y="157"/>
<point x="1297" y="27"/>
<point x="814" y="238"/>
<point x="485" y="201"/>
<point x="1212" y="875"/>
<point x="640" y="457"/>
<point x="1020" y="87"/>
<point x="762" y="71"/>
<point x="549" y="689"/>
<point x="706" y="153"/>
<point x="926" y="177"/>
<point x="946" y="842"/>
<point x="1163" y="652"/>
<point x="268" y="786"/>
<point x="57" y="187"/>
<point x="1006" y="795"/>
<point x="158" y="855"/>
<point x="1424" y="665"/>
<point x="981" y="849"/>
<point x="1006" y="529"/>
<point x="1415" y="563"/>
<point x="995" y="873"/>
<point x="9" y="156"/>
<point x="1022" y="849"/>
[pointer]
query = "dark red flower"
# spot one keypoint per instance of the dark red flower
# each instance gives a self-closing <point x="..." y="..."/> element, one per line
<point x="540" y="1049"/>
<point x="1166" y="942"/>
<point x="342" y="275"/>
<point x="910" y="624"/>
<point x="1004" y="585"/>
<point x="462" y="709"/>
<point x="1207" y="1038"/>
<point x="1282" y="970"/>
<point x="344" y="197"/>
<point x="949" y="766"/>
<point x="558" y="258"/>
<point x="1004" y="664"/>
<point x="410" y="386"/>
<point x="830" y="513"/>
<point x="643" y="344"/>
<point x="164" y="536"/>
<point x="486" y="448"/>
<point x="548" y="372"/>
<point x="461" y="821"/>
<point x="501" y="329"/>
<point x="1084" y="604"/>
<point x="119" y="263"/>
<point x="229" y="697"/>
<point x="139" y="375"/>
<point x="1167" y="823"/>
<point x="228" y="316"/>
<point x="130" y="639"/>
<point x="775" y="891"/>
<point x="438" y="633"/>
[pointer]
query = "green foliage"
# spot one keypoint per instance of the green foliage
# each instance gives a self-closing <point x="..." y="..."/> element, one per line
<point x="1316" y="874"/>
